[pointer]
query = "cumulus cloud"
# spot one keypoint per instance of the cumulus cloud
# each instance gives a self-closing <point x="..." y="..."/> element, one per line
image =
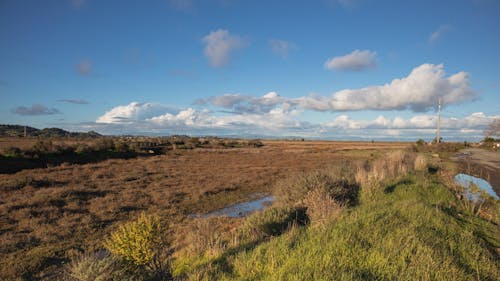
<point x="282" y="121"/>
<point x="243" y="104"/>
<point x="473" y="122"/>
<point x="276" y="115"/>
<point x="74" y="101"/>
<point x="219" y="45"/>
<point x="84" y="67"/>
<point x="281" y="48"/>
<point x="438" y="33"/>
<point x="355" y="61"/>
<point x="36" y="109"/>
<point x="419" y="91"/>
<point x="133" y="112"/>
<point x="151" y="117"/>
<point x="276" y="119"/>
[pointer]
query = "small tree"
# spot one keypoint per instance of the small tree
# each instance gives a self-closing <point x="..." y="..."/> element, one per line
<point x="493" y="129"/>
<point x="420" y="142"/>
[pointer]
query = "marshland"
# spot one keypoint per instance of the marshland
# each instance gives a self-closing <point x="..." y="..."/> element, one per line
<point x="339" y="211"/>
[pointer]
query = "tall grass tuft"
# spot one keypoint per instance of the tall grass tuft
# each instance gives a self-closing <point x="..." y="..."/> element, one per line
<point x="321" y="207"/>
<point x="392" y="166"/>
<point x="420" y="163"/>
<point x="94" y="267"/>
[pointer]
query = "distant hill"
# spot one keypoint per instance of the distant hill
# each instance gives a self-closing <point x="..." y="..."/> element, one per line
<point x="18" y="131"/>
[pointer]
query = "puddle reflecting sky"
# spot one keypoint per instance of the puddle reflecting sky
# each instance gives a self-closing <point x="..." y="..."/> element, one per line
<point x="466" y="180"/>
<point x="239" y="210"/>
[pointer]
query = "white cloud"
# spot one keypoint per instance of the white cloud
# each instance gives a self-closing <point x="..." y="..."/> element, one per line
<point x="242" y="104"/>
<point x="133" y="112"/>
<point x="475" y="121"/>
<point x="419" y="91"/>
<point x="277" y="118"/>
<point x="281" y="48"/>
<point x="438" y="33"/>
<point x="219" y="46"/>
<point x="281" y="119"/>
<point x="357" y="60"/>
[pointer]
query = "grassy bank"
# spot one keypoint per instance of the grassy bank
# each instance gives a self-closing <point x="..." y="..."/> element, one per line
<point x="406" y="227"/>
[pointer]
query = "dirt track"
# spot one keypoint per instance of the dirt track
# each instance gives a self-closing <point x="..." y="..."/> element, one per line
<point x="481" y="163"/>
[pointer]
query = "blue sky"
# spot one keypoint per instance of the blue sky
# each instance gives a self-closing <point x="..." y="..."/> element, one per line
<point x="331" y="69"/>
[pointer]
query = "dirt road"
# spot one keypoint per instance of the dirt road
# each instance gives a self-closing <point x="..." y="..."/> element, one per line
<point x="481" y="163"/>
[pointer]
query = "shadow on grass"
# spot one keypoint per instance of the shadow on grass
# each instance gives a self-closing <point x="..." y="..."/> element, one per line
<point x="390" y="188"/>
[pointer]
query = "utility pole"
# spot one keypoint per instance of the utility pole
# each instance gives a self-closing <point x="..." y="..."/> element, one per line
<point x="25" y="132"/>
<point x="439" y="122"/>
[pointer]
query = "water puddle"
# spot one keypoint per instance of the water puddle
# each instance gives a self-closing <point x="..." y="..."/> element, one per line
<point x="239" y="210"/>
<point x="468" y="181"/>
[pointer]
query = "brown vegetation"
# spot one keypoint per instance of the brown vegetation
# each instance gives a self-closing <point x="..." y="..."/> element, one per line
<point x="50" y="215"/>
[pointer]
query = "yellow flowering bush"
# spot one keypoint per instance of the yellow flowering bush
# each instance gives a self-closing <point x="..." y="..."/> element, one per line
<point x="138" y="242"/>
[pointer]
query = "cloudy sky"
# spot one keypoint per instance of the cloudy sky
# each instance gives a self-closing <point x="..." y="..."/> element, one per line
<point x="329" y="69"/>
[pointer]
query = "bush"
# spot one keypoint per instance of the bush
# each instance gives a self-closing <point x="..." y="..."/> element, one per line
<point x="140" y="243"/>
<point x="488" y="140"/>
<point x="291" y="191"/>
<point x="338" y="182"/>
<point x="43" y="147"/>
<point x="321" y="207"/>
<point x="12" y="152"/>
<point x="420" y="142"/>
<point x="255" y="143"/>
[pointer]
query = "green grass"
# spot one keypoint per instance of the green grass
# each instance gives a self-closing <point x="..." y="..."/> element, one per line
<point x="409" y="230"/>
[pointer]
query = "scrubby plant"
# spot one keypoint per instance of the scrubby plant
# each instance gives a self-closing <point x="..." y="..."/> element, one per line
<point x="94" y="267"/>
<point x="321" y="207"/>
<point x="43" y="146"/>
<point x="420" y="142"/>
<point x="337" y="182"/>
<point x="292" y="190"/>
<point x="255" y="143"/>
<point x="12" y="151"/>
<point x="141" y="244"/>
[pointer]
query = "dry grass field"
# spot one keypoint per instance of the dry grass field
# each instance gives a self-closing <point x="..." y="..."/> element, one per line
<point x="50" y="215"/>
